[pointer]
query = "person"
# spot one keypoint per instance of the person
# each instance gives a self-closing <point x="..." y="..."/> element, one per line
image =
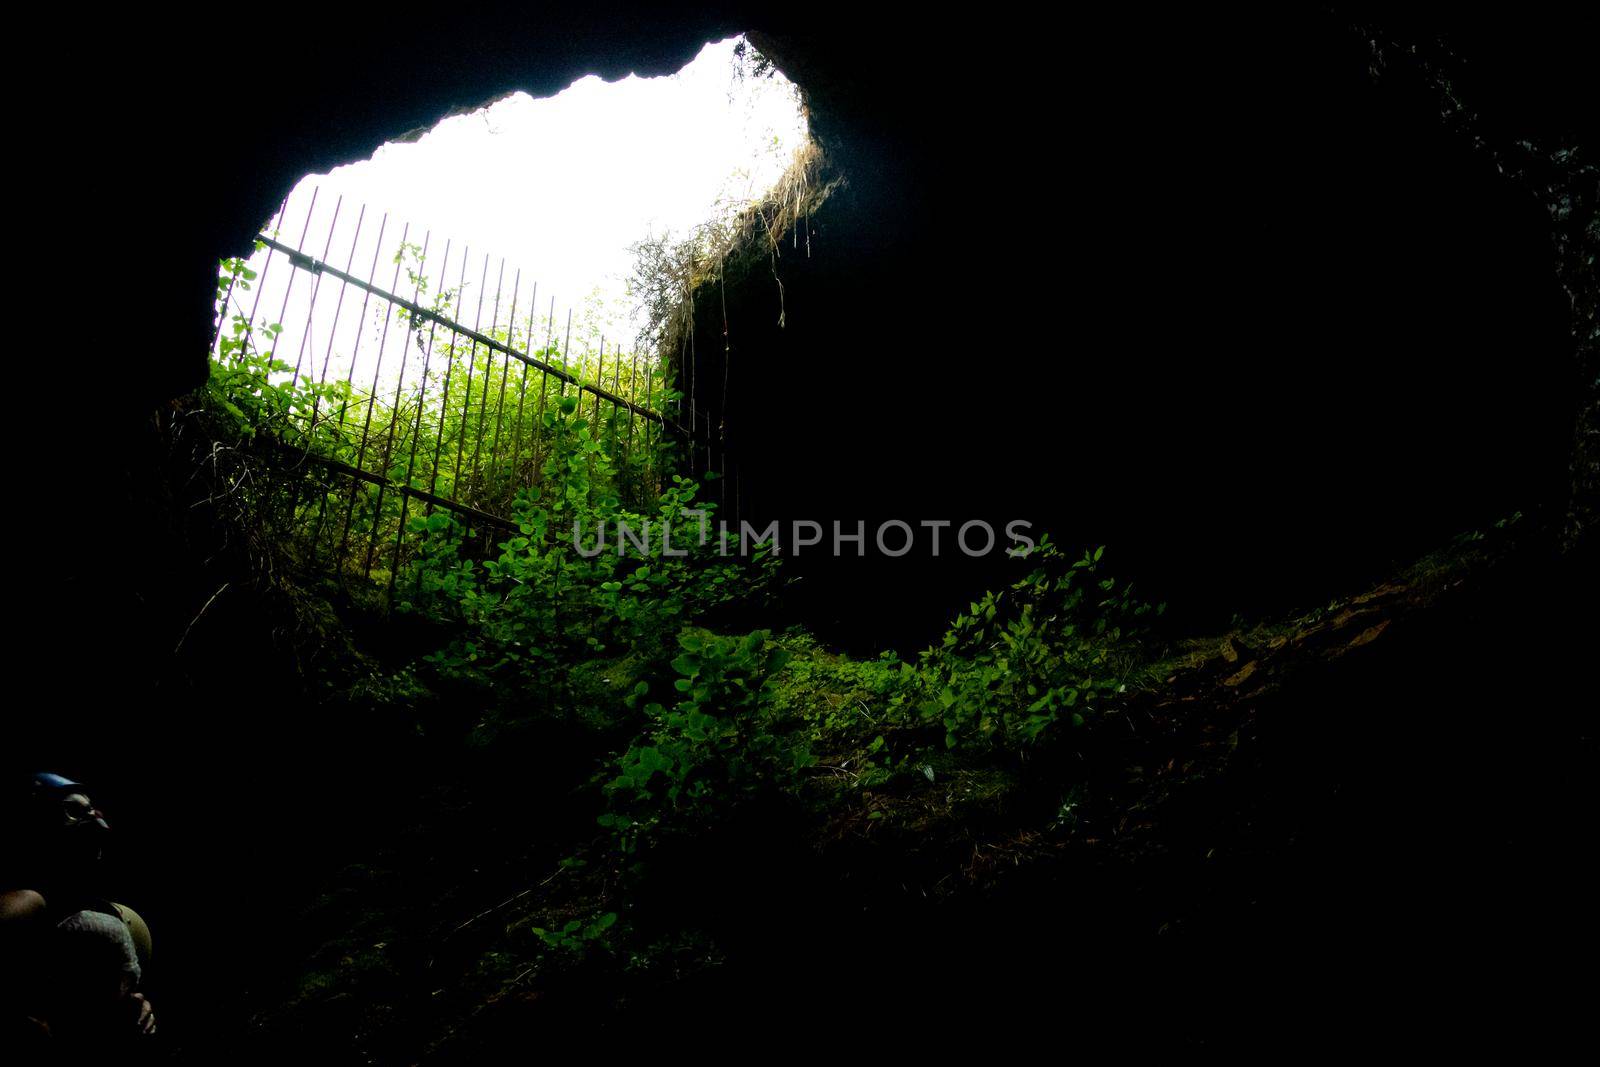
<point x="72" y="962"/>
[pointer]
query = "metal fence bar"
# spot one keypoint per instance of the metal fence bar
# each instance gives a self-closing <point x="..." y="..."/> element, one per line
<point x="444" y="403"/>
<point x="616" y="387"/>
<point x="566" y="359"/>
<point x="505" y="375"/>
<point x="394" y="415"/>
<point x="473" y="484"/>
<point x="633" y="394"/>
<point x="544" y="392"/>
<point x="309" y="263"/>
<point x="466" y="399"/>
<point x="372" y="394"/>
<point x="272" y="492"/>
<point x="416" y="438"/>
<point x="522" y="390"/>
<point x="361" y="316"/>
<point x="316" y="288"/>
<point x="412" y="491"/>
<point x="261" y="281"/>
<point x="287" y="289"/>
<point x="311" y="373"/>
<point x="333" y="330"/>
<point x="651" y="439"/>
<point x="358" y="446"/>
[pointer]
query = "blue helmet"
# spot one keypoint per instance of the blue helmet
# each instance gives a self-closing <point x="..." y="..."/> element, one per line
<point x="45" y="783"/>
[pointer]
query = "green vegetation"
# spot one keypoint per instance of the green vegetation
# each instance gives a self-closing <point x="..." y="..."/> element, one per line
<point x="719" y="743"/>
<point x="664" y="685"/>
<point x="693" y="708"/>
<point x="688" y="721"/>
<point x="1047" y="650"/>
<point x="443" y="414"/>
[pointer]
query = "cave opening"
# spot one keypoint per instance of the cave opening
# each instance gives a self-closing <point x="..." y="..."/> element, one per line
<point x="1208" y="293"/>
<point x="555" y="191"/>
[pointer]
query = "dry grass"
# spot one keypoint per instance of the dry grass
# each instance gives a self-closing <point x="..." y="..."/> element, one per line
<point x="667" y="272"/>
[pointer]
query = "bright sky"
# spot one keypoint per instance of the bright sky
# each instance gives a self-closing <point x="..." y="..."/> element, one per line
<point x="557" y="188"/>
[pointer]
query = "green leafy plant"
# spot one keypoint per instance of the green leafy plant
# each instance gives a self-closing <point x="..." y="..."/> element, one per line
<point x="523" y="618"/>
<point x="575" y="936"/>
<point x="716" y="745"/>
<point x="1047" y="650"/>
<point x="467" y="422"/>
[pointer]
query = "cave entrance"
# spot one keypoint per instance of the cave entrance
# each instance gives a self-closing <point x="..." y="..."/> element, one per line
<point x="410" y="323"/>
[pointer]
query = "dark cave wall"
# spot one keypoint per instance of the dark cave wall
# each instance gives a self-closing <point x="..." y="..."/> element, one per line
<point x="1265" y="328"/>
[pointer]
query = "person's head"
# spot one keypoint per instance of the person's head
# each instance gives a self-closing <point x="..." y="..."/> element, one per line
<point x="61" y="828"/>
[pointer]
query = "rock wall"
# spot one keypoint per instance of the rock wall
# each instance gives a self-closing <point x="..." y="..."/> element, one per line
<point x="1207" y="293"/>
